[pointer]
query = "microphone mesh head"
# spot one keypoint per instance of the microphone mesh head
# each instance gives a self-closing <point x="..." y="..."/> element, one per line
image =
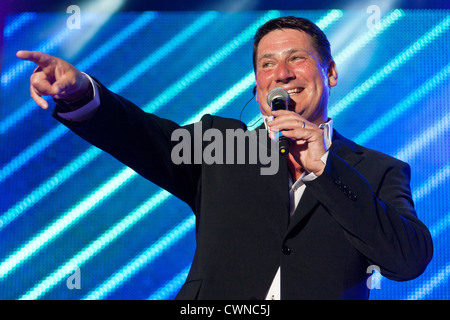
<point x="277" y="93"/>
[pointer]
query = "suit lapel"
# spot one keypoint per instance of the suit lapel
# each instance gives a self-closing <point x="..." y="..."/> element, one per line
<point x="305" y="207"/>
<point x="344" y="148"/>
<point x="278" y="183"/>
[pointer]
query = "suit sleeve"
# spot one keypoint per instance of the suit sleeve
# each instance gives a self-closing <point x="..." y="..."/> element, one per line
<point x="140" y="140"/>
<point x="378" y="217"/>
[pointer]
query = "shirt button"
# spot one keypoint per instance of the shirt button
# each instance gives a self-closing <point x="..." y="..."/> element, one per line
<point x="286" y="250"/>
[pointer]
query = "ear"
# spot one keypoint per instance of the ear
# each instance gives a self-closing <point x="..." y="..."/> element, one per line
<point x="332" y="74"/>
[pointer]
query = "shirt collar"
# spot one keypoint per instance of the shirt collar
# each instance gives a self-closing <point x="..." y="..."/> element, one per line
<point x="327" y="128"/>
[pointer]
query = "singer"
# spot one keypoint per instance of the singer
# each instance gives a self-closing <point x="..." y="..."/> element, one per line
<point x="332" y="211"/>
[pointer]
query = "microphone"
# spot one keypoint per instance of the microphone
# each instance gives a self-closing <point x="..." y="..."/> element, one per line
<point x="278" y="99"/>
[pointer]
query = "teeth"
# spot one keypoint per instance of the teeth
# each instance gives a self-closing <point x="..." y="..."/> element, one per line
<point x="296" y="90"/>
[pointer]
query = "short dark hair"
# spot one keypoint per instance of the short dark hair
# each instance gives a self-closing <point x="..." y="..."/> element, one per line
<point x="319" y="39"/>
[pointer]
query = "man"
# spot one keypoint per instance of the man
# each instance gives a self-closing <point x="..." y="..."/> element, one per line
<point x="331" y="212"/>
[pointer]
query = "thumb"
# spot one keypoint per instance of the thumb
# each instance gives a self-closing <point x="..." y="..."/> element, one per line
<point x="57" y="90"/>
<point x="64" y="88"/>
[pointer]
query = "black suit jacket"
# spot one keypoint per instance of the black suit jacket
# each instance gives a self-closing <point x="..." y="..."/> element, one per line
<point x="357" y="215"/>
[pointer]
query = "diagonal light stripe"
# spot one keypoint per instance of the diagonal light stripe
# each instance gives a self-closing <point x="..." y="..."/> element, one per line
<point x="61" y="224"/>
<point x="16" y="116"/>
<point x="91" y="22"/>
<point x="85" y="158"/>
<point x="49" y="46"/>
<point x="85" y="206"/>
<point x="97" y="245"/>
<point x="403" y="106"/>
<point x="423" y="291"/>
<point x="18" y="23"/>
<point x="213" y="60"/>
<point x="162" y="52"/>
<point x="22" y="66"/>
<point x="171" y="287"/>
<point x="409" y="151"/>
<point x="246" y="82"/>
<point x="439" y="177"/>
<point x="363" y="40"/>
<point x="439" y="227"/>
<point x="48" y="186"/>
<point x="143" y="259"/>
<point x="145" y="18"/>
<point x="25" y="156"/>
<point x="389" y="68"/>
<point x="442" y="275"/>
<point x="426" y="188"/>
<point x="355" y="45"/>
<point x="329" y="18"/>
<point x="231" y="94"/>
<point x="54" y="134"/>
<point x="432" y="183"/>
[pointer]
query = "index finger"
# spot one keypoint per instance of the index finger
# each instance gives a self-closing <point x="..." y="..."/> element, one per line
<point x="280" y="115"/>
<point x="40" y="58"/>
<point x="282" y="112"/>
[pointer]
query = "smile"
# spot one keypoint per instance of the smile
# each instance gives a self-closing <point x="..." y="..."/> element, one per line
<point x="295" y="90"/>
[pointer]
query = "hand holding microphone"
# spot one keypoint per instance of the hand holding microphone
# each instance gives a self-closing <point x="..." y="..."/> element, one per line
<point x="296" y="135"/>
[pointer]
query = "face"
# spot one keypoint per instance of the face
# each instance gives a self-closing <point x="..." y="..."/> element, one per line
<point x="287" y="59"/>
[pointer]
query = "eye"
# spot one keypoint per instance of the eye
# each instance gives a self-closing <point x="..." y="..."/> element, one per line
<point x="297" y="58"/>
<point x="266" y="64"/>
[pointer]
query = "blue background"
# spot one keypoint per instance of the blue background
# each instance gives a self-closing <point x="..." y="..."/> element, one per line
<point x="65" y="205"/>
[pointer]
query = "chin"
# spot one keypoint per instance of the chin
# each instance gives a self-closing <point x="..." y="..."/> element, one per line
<point x="293" y="107"/>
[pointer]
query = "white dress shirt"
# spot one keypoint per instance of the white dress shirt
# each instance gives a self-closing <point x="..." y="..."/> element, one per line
<point x="296" y="188"/>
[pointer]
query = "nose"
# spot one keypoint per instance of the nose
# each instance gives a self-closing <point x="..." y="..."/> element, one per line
<point x="283" y="72"/>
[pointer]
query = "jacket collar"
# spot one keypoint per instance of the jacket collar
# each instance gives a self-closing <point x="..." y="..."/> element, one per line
<point x="344" y="148"/>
